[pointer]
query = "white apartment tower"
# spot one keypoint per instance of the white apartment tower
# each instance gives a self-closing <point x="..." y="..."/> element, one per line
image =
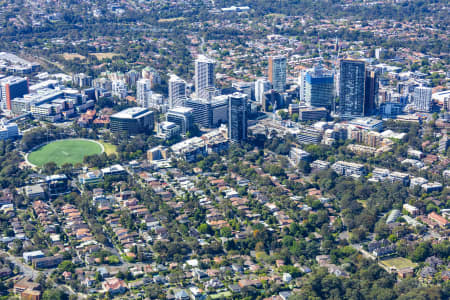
<point x="143" y="91"/>
<point x="177" y="91"/>
<point x="204" y="76"/>
<point x="119" y="89"/>
<point x="422" y="99"/>
<point x="262" y="85"/>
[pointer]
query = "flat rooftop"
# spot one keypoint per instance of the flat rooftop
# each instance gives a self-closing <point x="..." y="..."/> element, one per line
<point x="132" y="113"/>
<point x="12" y="80"/>
<point x="180" y="109"/>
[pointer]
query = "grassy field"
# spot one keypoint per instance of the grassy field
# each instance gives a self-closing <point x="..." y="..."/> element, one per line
<point x="109" y="148"/>
<point x="104" y="55"/>
<point x="171" y="20"/>
<point x="64" y="151"/>
<point x="398" y="263"/>
<point x="222" y="295"/>
<point x="72" y="56"/>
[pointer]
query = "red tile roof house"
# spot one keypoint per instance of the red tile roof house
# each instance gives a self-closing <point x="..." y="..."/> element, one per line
<point x="114" y="286"/>
<point x="439" y="219"/>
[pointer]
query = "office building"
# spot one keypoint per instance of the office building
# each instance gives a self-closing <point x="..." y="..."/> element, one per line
<point x="204" y="77"/>
<point x="272" y="100"/>
<point x="143" y="91"/>
<point x="51" y="105"/>
<point x="57" y="185"/>
<point x="349" y="168"/>
<point x="262" y="85"/>
<point x="244" y="87"/>
<point x="12" y="87"/>
<point x="317" y="87"/>
<point x="177" y="91"/>
<point x="311" y="113"/>
<point x="92" y="177"/>
<point x="8" y="130"/>
<point x="277" y="72"/>
<point x="237" y="117"/>
<point x="132" y="120"/>
<point x="430" y="187"/>
<point x="13" y="64"/>
<point x="422" y="99"/>
<point x="181" y="116"/>
<point x="371" y="92"/>
<point x="209" y="113"/>
<point x="166" y="130"/>
<point x="351" y="88"/>
<point x="367" y="124"/>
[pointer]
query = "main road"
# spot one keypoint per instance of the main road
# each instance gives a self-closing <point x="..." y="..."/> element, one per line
<point x="24" y="268"/>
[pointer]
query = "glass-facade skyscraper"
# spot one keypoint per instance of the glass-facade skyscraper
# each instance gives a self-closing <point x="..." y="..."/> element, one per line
<point x="277" y="73"/>
<point x="317" y="87"/>
<point x="371" y="92"/>
<point x="237" y="117"/>
<point x="351" y="88"/>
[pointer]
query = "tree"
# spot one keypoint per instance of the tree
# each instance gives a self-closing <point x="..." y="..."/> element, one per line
<point x="50" y="167"/>
<point x="304" y="167"/>
<point x="225" y="231"/>
<point x="421" y="252"/>
<point x="55" y="294"/>
<point x="204" y="228"/>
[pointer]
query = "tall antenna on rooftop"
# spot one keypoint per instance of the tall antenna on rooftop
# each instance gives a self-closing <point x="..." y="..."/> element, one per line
<point x="320" y="53"/>
<point x="338" y="49"/>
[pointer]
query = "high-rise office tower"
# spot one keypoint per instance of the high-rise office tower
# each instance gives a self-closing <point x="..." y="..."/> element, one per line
<point x="317" y="87"/>
<point x="177" y="91"/>
<point x="182" y="116"/>
<point x="371" y="92"/>
<point x="143" y="91"/>
<point x="209" y="113"/>
<point x="262" y="85"/>
<point x="204" y="76"/>
<point x="422" y="99"/>
<point x="12" y="87"/>
<point x="237" y="117"/>
<point x="351" y="88"/>
<point x="277" y="72"/>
